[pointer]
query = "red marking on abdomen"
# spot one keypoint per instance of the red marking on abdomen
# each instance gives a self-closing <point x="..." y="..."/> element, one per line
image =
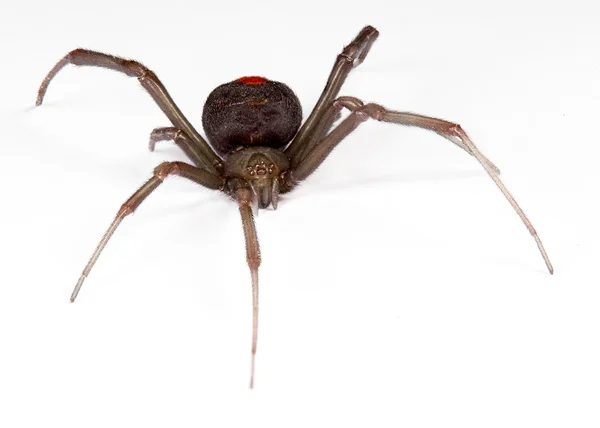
<point x="252" y="80"/>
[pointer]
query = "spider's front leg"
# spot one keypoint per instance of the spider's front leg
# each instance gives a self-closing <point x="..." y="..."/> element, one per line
<point x="210" y="161"/>
<point x="165" y="169"/>
<point x="452" y="131"/>
<point x="352" y="56"/>
<point x="246" y="201"/>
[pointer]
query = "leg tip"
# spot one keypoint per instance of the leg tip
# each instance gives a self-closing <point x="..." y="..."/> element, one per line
<point x="370" y="31"/>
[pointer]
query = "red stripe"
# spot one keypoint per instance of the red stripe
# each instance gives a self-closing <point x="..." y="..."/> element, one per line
<point x="252" y="80"/>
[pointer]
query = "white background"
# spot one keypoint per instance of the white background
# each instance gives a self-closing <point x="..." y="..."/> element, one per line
<point x="398" y="287"/>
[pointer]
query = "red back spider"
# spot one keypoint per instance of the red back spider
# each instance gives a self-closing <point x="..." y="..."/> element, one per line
<point x="257" y="147"/>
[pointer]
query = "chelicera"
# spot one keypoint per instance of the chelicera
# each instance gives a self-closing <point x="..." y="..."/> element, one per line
<point x="258" y="148"/>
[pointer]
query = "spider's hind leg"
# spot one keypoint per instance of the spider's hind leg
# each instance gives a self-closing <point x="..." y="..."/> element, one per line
<point x="451" y="131"/>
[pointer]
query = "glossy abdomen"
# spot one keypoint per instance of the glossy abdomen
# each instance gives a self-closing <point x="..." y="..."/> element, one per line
<point x="251" y="111"/>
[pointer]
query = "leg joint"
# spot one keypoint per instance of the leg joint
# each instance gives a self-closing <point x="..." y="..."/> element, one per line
<point x="167" y="168"/>
<point x="244" y="196"/>
<point x="125" y="210"/>
<point x="373" y="111"/>
<point x="75" y="53"/>
<point x="456" y="130"/>
<point x="287" y="181"/>
<point x="134" y="68"/>
<point x="253" y="261"/>
<point x="356" y="51"/>
<point x="140" y="71"/>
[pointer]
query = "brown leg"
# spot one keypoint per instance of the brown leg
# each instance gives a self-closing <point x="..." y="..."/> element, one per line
<point x="190" y="172"/>
<point x="183" y="141"/>
<point x="245" y="200"/>
<point x="323" y="127"/>
<point x="352" y="104"/>
<point x="449" y="130"/>
<point x="351" y="57"/>
<point x="150" y="82"/>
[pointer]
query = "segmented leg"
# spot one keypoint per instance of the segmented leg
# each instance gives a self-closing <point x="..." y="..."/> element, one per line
<point x="352" y="103"/>
<point x="190" y="172"/>
<point x="183" y="141"/>
<point x="246" y="200"/>
<point x="150" y="82"/>
<point x="449" y="130"/>
<point x="351" y="57"/>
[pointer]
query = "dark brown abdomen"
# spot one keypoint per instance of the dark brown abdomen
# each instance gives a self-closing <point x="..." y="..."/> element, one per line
<point x="251" y="111"/>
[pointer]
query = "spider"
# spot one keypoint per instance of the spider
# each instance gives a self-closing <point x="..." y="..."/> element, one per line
<point x="258" y="148"/>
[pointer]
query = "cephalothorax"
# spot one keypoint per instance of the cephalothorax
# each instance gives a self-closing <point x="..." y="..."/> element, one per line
<point x="257" y="147"/>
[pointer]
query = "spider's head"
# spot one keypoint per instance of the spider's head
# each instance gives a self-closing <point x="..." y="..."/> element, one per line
<point x="251" y="111"/>
<point x="261" y="169"/>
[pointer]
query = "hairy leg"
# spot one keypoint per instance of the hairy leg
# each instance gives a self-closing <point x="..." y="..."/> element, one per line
<point x="165" y="169"/>
<point x="151" y="83"/>
<point x="246" y="199"/>
<point x="181" y="139"/>
<point x="352" y="104"/>
<point x="449" y="130"/>
<point x="351" y="57"/>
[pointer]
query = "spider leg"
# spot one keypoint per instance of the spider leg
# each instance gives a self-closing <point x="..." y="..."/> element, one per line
<point x="351" y="57"/>
<point x="352" y="103"/>
<point x="449" y="130"/>
<point x="246" y="199"/>
<point x="165" y="169"/>
<point x="324" y="126"/>
<point x="150" y="82"/>
<point x="181" y="139"/>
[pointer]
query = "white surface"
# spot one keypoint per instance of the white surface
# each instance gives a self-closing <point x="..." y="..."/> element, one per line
<point x="398" y="287"/>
